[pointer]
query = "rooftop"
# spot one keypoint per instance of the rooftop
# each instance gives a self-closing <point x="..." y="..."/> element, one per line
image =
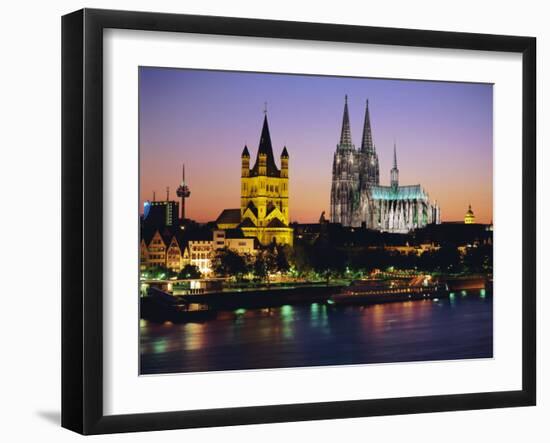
<point x="412" y="192"/>
<point x="229" y="216"/>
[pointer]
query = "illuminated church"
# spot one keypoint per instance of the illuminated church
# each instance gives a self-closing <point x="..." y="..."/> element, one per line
<point x="264" y="212"/>
<point x="469" y="218"/>
<point x="358" y="199"/>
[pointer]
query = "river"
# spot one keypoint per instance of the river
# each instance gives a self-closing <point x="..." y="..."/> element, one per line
<point x="460" y="327"/>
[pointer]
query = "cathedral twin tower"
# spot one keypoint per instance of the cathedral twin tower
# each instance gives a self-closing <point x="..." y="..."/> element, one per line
<point x="358" y="199"/>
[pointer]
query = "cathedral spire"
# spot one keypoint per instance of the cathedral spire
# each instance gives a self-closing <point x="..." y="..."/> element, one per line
<point x="366" y="143"/>
<point x="394" y="174"/>
<point x="345" y="136"/>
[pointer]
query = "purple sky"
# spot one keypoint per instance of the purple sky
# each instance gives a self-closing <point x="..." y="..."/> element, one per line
<point x="443" y="131"/>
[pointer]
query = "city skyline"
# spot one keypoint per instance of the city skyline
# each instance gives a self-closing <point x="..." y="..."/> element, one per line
<point x="443" y="133"/>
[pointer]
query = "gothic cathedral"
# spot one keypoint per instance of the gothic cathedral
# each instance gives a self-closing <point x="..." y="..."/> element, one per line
<point x="358" y="199"/>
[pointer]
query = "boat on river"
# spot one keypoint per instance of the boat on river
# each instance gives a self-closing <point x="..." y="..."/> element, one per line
<point x="161" y="306"/>
<point x="383" y="291"/>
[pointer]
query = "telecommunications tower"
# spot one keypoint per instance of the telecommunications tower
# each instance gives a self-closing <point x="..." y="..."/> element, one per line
<point x="183" y="192"/>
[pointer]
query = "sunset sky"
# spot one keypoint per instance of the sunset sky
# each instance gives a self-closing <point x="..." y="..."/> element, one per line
<point x="443" y="131"/>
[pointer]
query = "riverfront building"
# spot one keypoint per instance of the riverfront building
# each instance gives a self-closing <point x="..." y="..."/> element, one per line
<point x="175" y="248"/>
<point x="358" y="199"/>
<point x="264" y="212"/>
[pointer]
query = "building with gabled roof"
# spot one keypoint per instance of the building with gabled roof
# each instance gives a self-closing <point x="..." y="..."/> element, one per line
<point x="229" y="219"/>
<point x="157" y="250"/>
<point x="174" y="255"/>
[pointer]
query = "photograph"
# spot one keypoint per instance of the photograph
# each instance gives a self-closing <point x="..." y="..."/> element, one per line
<point x="296" y="220"/>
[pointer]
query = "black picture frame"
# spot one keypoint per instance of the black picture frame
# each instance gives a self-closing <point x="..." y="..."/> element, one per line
<point x="82" y="231"/>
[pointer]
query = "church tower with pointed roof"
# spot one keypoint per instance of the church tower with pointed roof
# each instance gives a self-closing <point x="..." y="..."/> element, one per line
<point x="371" y="175"/>
<point x="345" y="175"/>
<point x="264" y="193"/>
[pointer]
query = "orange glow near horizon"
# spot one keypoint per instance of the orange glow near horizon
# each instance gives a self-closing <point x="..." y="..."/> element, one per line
<point x="443" y="133"/>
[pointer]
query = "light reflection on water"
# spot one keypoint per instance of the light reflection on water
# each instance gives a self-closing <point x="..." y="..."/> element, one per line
<point x="317" y="334"/>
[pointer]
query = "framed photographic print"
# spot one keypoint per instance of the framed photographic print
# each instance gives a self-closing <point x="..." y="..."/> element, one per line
<point x="269" y="221"/>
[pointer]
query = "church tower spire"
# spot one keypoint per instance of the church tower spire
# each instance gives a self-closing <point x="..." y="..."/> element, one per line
<point x="345" y="136"/>
<point x="394" y="171"/>
<point x="367" y="144"/>
<point x="369" y="173"/>
<point x="265" y="160"/>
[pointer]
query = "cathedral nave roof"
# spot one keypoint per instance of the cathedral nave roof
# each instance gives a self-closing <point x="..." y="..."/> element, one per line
<point x="411" y="192"/>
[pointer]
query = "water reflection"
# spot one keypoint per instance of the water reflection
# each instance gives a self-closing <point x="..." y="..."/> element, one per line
<point x="317" y="334"/>
<point x="318" y="318"/>
<point x="193" y="336"/>
<point x="288" y="322"/>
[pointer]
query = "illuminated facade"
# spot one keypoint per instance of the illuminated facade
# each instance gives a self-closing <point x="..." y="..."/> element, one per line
<point x="358" y="199"/>
<point x="201" y="254"/>
<point x="173" y="255"/>
<point x="156" y="251"/>
<point x="264" y="212"/>
<point x="235" y="241"/>
<point x="469" y="218"/>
